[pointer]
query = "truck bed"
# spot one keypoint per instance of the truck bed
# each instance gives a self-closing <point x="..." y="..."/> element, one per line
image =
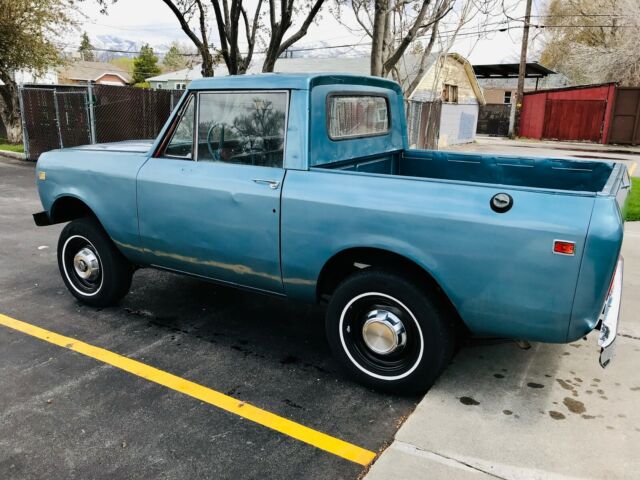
<point x="545" y="173"/>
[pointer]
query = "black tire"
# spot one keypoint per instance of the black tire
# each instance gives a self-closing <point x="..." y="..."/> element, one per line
<point x="83" y="243"/>
<point x="377" y="299"/>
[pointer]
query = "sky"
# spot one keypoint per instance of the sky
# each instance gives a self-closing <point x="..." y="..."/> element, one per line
<point x="133" y="22"/>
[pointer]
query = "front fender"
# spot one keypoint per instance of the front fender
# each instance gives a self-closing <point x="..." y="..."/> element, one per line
<point x="104" y="181"/>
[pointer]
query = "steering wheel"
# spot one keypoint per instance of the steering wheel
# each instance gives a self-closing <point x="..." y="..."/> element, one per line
<point x="215" y="154"/>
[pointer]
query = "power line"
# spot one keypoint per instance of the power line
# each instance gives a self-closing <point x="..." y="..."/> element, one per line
<point x="465" y="32"/>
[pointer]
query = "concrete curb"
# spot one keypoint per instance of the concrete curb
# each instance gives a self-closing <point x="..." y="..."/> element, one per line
<point x="13" y="155"/>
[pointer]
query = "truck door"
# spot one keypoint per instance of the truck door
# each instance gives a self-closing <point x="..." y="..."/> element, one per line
<point x="209" y="200"/>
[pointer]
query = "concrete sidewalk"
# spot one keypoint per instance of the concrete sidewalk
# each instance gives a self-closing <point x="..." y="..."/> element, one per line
<point x="561" y="145"/>
<point x="574" y="150"/>
<point x="549" y="412"/>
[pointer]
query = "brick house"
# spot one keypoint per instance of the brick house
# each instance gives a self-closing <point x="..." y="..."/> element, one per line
<point x="81" y="72"/>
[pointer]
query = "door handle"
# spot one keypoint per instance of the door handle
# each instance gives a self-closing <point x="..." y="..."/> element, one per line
<point x="273" y="185"/>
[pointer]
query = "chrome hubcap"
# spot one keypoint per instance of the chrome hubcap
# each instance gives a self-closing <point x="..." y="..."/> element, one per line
<point x="383" y="332"/>
<point x="86" y="264"/>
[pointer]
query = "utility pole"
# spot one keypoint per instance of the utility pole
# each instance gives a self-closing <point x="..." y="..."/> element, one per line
<point x="523" y="66"/>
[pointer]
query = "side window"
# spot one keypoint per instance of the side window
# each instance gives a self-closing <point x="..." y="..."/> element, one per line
<point x="352" y="116"/>
<point x="450" y="93"/>
<point x="244" y="128"/>
<point x="181" y="143"/>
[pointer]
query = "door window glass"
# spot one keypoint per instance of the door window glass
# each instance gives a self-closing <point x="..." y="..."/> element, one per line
<point x="244" y="128"/>
<point x="181" y="143"/>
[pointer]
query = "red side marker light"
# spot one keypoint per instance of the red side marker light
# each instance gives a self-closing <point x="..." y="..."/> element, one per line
<point x="564" y="248"/>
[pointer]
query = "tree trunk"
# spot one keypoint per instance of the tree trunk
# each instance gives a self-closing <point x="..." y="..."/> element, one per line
<point x="270" y="61"/>
<point x="377" y="42"/>
<point x="10" y="109"/>
<point x="207" y="63"/>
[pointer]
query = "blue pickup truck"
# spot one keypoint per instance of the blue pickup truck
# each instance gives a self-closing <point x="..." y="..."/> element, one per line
<point x="303" y="186"/>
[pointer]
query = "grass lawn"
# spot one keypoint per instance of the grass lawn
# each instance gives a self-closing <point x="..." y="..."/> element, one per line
<point x="12" y="147"/>
<point x="633" y="207"/>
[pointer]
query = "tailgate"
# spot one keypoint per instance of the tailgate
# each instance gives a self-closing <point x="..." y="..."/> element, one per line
<point x="619" y="186"/>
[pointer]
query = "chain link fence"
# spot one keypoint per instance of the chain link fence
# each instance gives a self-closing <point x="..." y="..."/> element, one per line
<point x="58" y="116"/>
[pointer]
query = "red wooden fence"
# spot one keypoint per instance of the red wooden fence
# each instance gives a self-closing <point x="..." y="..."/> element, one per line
<point x="574" y="113"/>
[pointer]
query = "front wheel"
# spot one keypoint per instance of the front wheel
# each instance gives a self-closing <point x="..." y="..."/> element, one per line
<point x="389" y="333"/>
<point x="92" y="268"/>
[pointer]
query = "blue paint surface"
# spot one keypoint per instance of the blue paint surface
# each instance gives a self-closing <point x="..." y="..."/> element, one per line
<point x="213" y="220"/>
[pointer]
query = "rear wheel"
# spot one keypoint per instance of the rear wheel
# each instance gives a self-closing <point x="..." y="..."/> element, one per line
<point x="389" y="333"/>
<point x="92" y="268"/>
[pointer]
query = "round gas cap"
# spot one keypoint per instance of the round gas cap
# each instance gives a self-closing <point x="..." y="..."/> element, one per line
<point x="501" y="202"/>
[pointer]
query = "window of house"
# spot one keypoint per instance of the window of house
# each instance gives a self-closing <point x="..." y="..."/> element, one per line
<point x="450" y="93"/>
<point x="245" y="128"/>
<point x="351" y="116"/>
<point x="507" y="97"/>
<point x="159" y="86"/>
<point x="181" y="86"/>
<point x="181" y="143"/>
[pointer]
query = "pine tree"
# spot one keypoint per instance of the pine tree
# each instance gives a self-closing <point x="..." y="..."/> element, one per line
<point x="86" y="49"/>
<point x="174" y="59"/>
<point x="145" y="65"/>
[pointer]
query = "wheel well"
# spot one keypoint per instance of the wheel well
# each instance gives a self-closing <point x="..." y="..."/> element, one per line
<point x="351" y="260"/>
<point x="66" y="209"/>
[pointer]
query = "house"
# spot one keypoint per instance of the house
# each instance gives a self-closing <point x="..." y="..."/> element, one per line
<point x="82" y="72"/>
<point x="443" y="106"/>
<point x="179" y="79"/>
<point x="22" y="77"/>
<point x="499" y="84"/>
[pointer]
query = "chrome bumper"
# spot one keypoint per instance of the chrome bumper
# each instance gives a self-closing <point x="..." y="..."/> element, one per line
<point x="610" y="316"/>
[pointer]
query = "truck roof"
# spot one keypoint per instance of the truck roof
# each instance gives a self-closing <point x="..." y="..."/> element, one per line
<point x="295" y="81"/>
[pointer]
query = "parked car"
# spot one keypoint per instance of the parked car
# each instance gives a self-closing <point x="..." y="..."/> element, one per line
<point x="303" y="186"/>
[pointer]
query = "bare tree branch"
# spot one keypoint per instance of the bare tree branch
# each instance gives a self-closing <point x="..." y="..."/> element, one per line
<point x="406" y="41"/>
<point x="303" y="29"/>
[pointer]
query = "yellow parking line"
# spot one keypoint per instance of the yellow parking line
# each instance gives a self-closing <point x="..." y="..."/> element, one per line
<point x="275" y="422"/>
<point x="632" y="168"/>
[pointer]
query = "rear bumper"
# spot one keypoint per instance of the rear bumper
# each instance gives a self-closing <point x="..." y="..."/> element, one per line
<point x="610" y="316"/>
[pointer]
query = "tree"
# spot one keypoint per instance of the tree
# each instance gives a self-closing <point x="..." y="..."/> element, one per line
<point x="125" y="63"/>
<point x="396" y="26"/>
<point x="27" y="32"/>
<point x="233" y="20"/>
<point x="145" y="65"/>
<point x="86" y="49"/>
<point x="592" y="41"/>
<point x="176" y="58"/>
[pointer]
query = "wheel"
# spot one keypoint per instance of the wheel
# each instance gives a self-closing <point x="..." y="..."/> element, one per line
<point x="92" y="268"/>
<point x="389" y="333"/>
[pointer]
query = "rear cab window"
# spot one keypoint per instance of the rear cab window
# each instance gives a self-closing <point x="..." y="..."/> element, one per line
<point x="355" y="115"/>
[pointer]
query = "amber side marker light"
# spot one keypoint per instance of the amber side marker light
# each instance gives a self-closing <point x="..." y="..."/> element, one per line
<point x="564" y="248"/>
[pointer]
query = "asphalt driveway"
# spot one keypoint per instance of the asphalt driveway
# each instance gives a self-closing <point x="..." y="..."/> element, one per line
<point x="68" y="415"/>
